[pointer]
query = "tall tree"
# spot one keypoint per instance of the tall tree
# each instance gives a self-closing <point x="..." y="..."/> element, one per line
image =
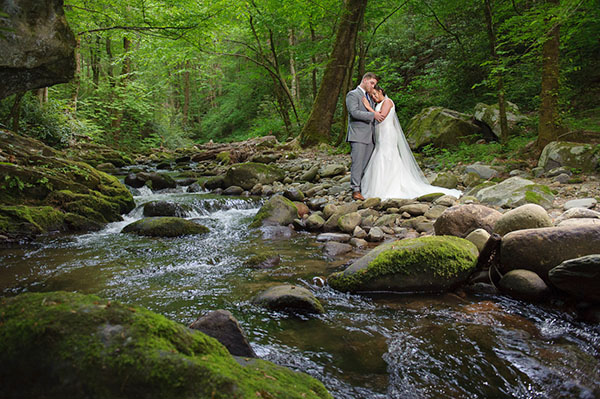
<point x="318" y="126"/>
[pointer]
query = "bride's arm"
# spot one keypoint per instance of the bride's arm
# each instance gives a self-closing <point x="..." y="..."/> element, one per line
<point x="367" y="105"/>
<point x="386" y="107"/>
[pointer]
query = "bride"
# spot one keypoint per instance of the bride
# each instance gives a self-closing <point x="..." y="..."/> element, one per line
<point x="392" y="171"/>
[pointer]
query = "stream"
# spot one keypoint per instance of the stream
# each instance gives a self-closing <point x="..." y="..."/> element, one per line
<point x="446" y="346"/>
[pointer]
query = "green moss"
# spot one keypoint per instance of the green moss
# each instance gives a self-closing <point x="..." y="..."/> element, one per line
<point x="20" y="220"/>
<point x="278" y="210"/>
<point x="224" y="157"/>
<point x="533" y="197"/>
<point x="165" y="226"/>
<point x="58" y="345"/>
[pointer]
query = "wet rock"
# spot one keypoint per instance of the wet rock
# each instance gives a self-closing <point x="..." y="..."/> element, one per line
<point x="194" y="188"/>
<point x="482" y="171"/>
<point x="529" y="216"/>
<point x="425" y="264"/>
<point x="246" y="175"/>
<point x="233" y="190"/>
<point x="540" y="250"/>
<point x="94" y="341"/>
<point x="516" y="191"/>
<point x="347" y="223"/>
<point x="375" y="235"/>
<point x="572" y="155"/>
<point x="358" y="242"/>
<point x="332" y="170"/>
<point x="107" y="167"/>
<point x="289" y="298"/>
<point x="460" y="220"/>
<point x="215" y="182"/>
<point x="478" y="237"/>
<point x="317" y="203"/>
<point x="314" y="222"/>
<point x="221" y="325"/>
<point x="524" y="285"/>
<point x="311" y="174"/>
<point x="187" y="182"/>
<point x="278" y="210"/>
<point x="271" y="232"/>
<point x="415" y="209"/>
<point x="293" y="194"/>
<point x="579" y="277"/>
<point x="166" y="208"/>
<point x="135" y="181"/>
<point x="263" y="261"/>
<point x="580" y="203"/>
<point x="164" y="226"/>
<point x="334" y="248"/>
<point x="339" y="237"/>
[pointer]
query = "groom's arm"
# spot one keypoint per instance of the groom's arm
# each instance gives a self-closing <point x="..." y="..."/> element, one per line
<point x="353" y="102"/>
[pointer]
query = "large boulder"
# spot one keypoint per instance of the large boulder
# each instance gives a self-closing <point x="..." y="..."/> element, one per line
<point x="67" y="345"/>
<point x="584" y="157"/>
<point x="277" y="211"/>
<point x="441" y="127"/>
<point x="460" y="220"/>
<point x="164" y="226"/>
<point x="221" y="325"/>
<point x="529" y="216"/>
<point x="540" y="250"/>
<point x="490" y="115"/>
<point x="37" y="178"/>
<point x="524" y="285"/>
<point x="37" y="46"/>
<point x="424" y="264"/>
<point x="514" y="192"/>
<point x="166" y="208"/>
<point x="246" y="175"/>
<point x="289" y="298"/>
<point x="579" y="277"/>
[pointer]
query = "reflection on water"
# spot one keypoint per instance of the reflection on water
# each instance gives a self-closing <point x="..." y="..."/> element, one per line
<point x="362" y="347"/>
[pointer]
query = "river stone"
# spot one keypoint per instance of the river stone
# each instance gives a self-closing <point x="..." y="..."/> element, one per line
<point x="358" y="242"/>
<point x="329" y="210"/>
<point x="289" y="298"/>
<point x="516" y="191"/>
<point x="221" y="325"/>
<point x="580" y="203"/>
<point x="441" y="127"/>
<point x="424" y="264"/>
<point x="166" y="208"/>
<point x="387" y="220"/>
<point x="490" y="115"/>
<point x="233" y="190"/>
<point x="314" y="222"/>
<point x="339" y="237"/>
<point x="156" y="181"/>
<point x="524" y="285"/>
<point x="293" y="194"/>
<point x="478" y="237"/>
<point x="415" y="209"/>
<point x="483" y="171"/>
<point x="579" y="277"/>
<point x="347" y="223"/>
<point x="460" y="220"/>
<point x="473" y="191"/>
<point x="446" y="200"/>
<point x="334" y="248"/>
<point x="317" y="203"/>
<point x="529" y="216"/>
<point x="332" y="170"/>
<point x="135" y="181"/>
<point x="576" y="213"/>
<point x="332" y="222"/>
<point x="429" y="197"/>
<point x="263" y="261"/>
<point x="445" y="179"/>
<point x="395" y="203"/>
<point x="579" y="222"/>
<point x="563" y="178"/>
<point x="359" y="232"/>
<point x="246" y="175"/>
<point x="572" y="155"/>
<point x="375" y="234"/>
<point x="214" y="182"/>
<point x="68" y="345"/>
<point x="164" y="226"/>
<point x="311" y="174"/>
<point x="370" y="203"/>
<point x="302" y="209"/>
<point x="540" y="250"/>
<point x="435" y="211"/>
<point x="278" y="210"/>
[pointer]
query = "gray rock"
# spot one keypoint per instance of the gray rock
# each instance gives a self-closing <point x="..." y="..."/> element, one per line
<point x="347" y="223"/>
<point x="314" y="222"/>
<point x="221" y="325"/>
<point x="332" y="170"/>
<point x="395" y="203"/>
<point x="580" y="203"/>
<point x="263" y="261"/>
<point x="375" y="235"/>
<point x="435" y="211"/>
<point x="540" y="250"/>
<point x="233" y="190"/>
<point x="478" y="237"/>
<point x="358" y="242"/>
<point x="441" y="127"/>
<point x="572" y="155"/>
<point x="370" y="203"/>
<point x="579" y="277"/>
<point x="490" y="115"/>
<point x="524" y="285"/>
<point x="516" y="191"/>
<point x="278" y="210"/>
<point x="415" y="209"/>
<point x="289" y="298"/>
<point x="460" y="220"/>
<point x="334" y="248"/>
<point x="446" y="200"/>
<point x="563" y="178"/>
<point x="529" y="216"/>
<point x="387" y="220"/>
<point x="579" y="222"/>
<point x="246" y="175"/>
<point x="576" y="213"/>
<point x="359" y="232"/>
<point x="166" y="208"/>
<point x="446" y="180"/>
<point x="483" y="171"/>
<point x="339" y="237"/>
<point x="561" y="170"/>
<point x="294" y="194"/>
<point x="164" y="226"/>
<point x="317" y="203"/>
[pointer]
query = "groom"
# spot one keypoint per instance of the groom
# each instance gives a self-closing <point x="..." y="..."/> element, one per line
<point x="361" y="129"/>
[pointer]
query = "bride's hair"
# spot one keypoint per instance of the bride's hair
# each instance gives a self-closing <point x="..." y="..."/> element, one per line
<point x="379" y="88"/>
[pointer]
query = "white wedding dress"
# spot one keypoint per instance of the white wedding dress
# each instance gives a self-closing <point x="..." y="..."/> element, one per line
<point x="392" y="171"/>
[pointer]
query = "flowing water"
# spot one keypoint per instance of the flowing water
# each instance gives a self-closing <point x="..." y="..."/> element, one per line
<point x="443" y="346"/>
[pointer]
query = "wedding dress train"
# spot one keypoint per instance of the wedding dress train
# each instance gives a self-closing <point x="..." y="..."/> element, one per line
<point x="392" y="171"/>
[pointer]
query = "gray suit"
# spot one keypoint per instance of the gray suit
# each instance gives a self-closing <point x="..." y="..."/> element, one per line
<point x="361" y="133"/>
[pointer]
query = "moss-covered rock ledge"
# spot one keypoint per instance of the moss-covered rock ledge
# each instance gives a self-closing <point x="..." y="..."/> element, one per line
<point x="424" y="264"/>
<point x="42" y="189"/>
<point x="67" y="345"/>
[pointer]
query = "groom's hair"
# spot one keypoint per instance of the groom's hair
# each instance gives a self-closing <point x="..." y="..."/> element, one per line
<point x="370" y="75"/>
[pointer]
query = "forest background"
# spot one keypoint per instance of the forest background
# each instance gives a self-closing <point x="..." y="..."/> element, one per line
<point x="171" y="73"/>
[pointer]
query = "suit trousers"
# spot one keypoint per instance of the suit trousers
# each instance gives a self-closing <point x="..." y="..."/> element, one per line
<point x="360" y="154"/>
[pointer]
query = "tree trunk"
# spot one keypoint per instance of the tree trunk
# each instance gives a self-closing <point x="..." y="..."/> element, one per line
<point x="294" y="84"/>
<point x="549" y="128"/>
<point x="500" y="82"/>
<point x="318" y="126"/>
<point x="95" y="61"/>
<point x="313" y="59"/>
<point x="186" y="93"/>
<point x="76" y="82"/>
<point x="109" y="67"/>
<point x="42" y="95"/>
<point x="15" y="112"/>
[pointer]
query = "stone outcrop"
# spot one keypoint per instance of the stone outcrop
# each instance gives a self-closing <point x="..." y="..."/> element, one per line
<point x="66" y="345"/>
<point x="37" y="47"/>
<point x="441" y="127"/>
<point x="524" y="284"/>
<point x="164" y="226"/>
<point x="490" y="115"/>
<point x="514" y="192"/>
<point x="572" y="155"/>
<point x="579" y="277"/>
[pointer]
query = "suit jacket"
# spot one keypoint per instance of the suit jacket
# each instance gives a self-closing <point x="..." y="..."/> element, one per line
<point x="361" y="128"/>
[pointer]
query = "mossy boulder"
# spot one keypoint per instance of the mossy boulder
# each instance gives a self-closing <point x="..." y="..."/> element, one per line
<point x="164" y="226"/>
<point x="490" y="114"/>
<point x="18" y="220"/>
<point x="39" y="176"/>
<point x="166" y="208"/>
<point x="278" y="211"/>
<point x="289" y="298"/>
<point x="97" y="154"/>
<point x="441" y="127"/>
<point x="68" y="345"/>
<point x="246" y="175"/>
<point x="424" y="264"/>
<point x="514" y="192"/>
<point x="584" y="157"/>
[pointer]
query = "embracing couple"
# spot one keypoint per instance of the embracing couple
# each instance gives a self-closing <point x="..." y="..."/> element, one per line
<point x="383" y="165"/>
